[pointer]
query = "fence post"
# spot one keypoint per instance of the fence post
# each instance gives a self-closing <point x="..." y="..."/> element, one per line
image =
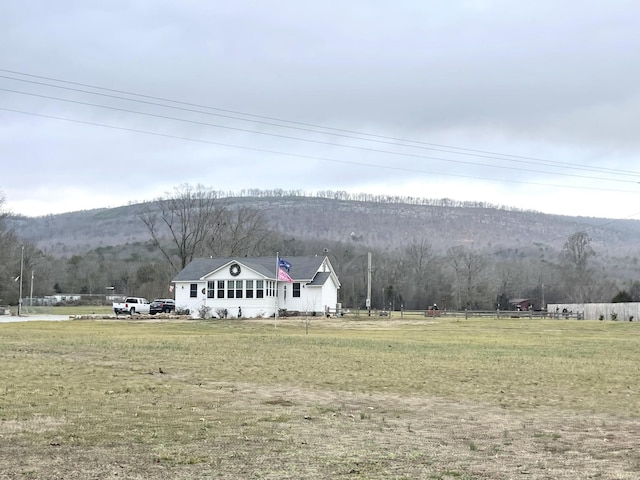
<point x="466" y="314"/>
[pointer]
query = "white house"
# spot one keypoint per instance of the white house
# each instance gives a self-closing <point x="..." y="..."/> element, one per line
<point x="249" y="287"/>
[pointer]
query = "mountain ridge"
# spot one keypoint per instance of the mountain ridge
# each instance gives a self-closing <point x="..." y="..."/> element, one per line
<point x="374" y="224"/>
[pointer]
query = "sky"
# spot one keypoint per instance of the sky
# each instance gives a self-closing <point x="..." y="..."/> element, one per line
<point x="532" y="105"/>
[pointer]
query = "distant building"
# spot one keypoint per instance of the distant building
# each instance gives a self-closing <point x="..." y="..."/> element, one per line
<point x="254" y="287"/>
<point x="64" y="298"/>
<point x="520" y="304"/>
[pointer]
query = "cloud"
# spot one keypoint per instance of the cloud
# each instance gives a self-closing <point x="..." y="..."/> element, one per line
<point x="550" y="87"/>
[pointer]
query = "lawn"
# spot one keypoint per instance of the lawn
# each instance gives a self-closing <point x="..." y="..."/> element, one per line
<point x="358" y="398"/>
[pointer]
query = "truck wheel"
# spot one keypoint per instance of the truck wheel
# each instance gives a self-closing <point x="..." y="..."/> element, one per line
<point x="132" y="311"/>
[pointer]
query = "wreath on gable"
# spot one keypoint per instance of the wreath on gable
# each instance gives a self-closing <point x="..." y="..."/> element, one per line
<point x="234" y="270"/>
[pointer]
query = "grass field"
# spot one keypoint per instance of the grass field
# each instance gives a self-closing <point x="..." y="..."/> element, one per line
<point x="356" y="399"/>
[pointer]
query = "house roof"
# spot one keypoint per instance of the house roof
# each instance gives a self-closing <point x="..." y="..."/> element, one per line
<point x="319" y="279"/>
<point x="302" y="268"/>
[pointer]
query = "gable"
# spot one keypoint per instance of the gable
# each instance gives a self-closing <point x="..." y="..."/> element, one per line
<point x="303" y="269"/>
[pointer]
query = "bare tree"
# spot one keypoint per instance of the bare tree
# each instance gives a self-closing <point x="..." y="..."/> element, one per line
<point x="577" y="251"/>
<point x="241" y="232"/>
<point x="14" y="254"/>
<point x="422" y="273"/>
<point x="8" y="255"/>
<point x="188" y="217"/>
<point x="576" y="254"/>
<point x="467" y="268"/>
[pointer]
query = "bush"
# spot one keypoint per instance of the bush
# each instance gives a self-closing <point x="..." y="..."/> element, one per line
<point x="204" y="311"/>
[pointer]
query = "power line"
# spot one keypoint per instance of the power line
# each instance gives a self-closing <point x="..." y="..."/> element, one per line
<point x="296" y="155"/>
<point x="375" y="138"/>
<point x="321" y="142"/>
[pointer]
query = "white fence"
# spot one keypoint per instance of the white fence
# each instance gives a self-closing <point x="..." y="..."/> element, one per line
<point x="596" y="311"/>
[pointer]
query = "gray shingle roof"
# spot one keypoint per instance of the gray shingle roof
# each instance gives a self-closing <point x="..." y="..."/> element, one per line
<point x="319" y="279"/>
<point x="302" y="268"/>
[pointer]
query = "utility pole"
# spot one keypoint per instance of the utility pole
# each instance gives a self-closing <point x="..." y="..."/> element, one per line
<point x="21" y="272"/>
<point x="369" y="283"/>
<point x="31" y="293"/>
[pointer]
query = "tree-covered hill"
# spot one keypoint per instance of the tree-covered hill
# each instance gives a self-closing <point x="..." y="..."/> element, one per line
<point x="377" y="223"/>
<point x="424" y="250"/>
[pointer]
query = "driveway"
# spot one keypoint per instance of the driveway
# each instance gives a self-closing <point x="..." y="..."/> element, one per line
<point x="32" y="318"/>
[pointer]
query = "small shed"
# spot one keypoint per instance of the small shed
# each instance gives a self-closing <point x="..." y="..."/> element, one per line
<point x="521" y="304"/>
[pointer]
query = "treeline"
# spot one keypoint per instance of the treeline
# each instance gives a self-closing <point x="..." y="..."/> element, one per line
<point x="363" y="197"/>
<point x="412" y="274"/>
<point x="412" y="277"/>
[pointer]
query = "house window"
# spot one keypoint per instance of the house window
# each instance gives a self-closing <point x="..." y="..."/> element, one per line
<point x="220" y="288"/>
<point x="259" y="288"/>
<point x="211" y="289"/>
<point x="296" y="289"/>
<point x="231" y="288"/>
<point x="249" y="288"/>
<point x="193" y="293"/>
<point x="239" y="288"/>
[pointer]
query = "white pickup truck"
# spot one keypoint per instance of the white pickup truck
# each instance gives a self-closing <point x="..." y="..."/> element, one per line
<point x="132" y="305"/>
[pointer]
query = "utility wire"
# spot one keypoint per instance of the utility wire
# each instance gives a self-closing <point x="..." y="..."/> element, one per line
<point x="296" y="155"/>
<point x="321" y="142"/>
<point x="374" y="137"/>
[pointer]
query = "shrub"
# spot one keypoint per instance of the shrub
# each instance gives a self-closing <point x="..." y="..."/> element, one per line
<point x="204" y="311"/>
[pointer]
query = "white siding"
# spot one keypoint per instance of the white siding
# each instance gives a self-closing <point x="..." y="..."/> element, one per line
<point x="312" y="298"/>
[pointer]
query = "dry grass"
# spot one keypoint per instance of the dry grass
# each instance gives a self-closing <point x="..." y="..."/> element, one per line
<point x="402" y="399"/>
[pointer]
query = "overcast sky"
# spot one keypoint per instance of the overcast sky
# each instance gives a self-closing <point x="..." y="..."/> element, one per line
<point x="534" y="105"/>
